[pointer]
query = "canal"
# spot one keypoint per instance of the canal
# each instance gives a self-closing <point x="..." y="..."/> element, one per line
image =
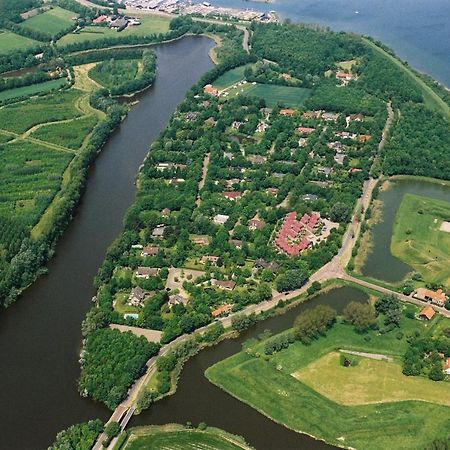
<point x="40" y="335"/>
<point x="380" y="263"/>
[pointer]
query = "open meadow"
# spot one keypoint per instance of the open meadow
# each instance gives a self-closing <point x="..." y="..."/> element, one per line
<point x="51" y="22"/>
<point x="11" y="42"/>
<point x="174" y="437"/>
<point x="418" y="239"/>
<point x="32" y="89"/>
<point x="231" y="77"/>
<point x="307" y="404"/>
<point x="149" y="25"/>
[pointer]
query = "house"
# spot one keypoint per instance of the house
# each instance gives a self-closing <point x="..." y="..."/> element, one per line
<point x="226" y="285"/>
<point x="158" y="232"/>
<point x="209" y="259"/>
<point x="191" y="115"/>
<point x="272" y="191"/>
<point x="149" y="251"/>
<point x="363" y="138"/>
<point x="146" y="272"/>
<point x="447" y="366"/>
<point x="177" y="299"/>
<point x="330" y="117"/>
<point x="311" y="114"/>
<point x="262" y="126"/>
<point x="339" y="158"/>
<point x="165" y="212"/>
<point x="427" y="313"/>
<point x="325" y="170"/>
<point x="200" y="240"/>
<point x="210" y="90"/>
<point x="232" y="195"/>
<point x="302" y="142"/>
<point x="176" y="181"/>
<point x="220" y="219"/>
<point x="262" y="264"/>
<point x="287" y="112"/>
<point x="236" y="243"/>
<point x="222" y="310"/>
<point x="309" y="197"/>
<point x="235" y="125"/>
<point x="344" y="76"/>
<point x="257" y="159"/>
<point x="306" y="130"/>
<point x="230" y="183"/>
<point x="100" y="19"/>
<point x="337" y="145"/>
<point x="354" y="170"/>
<point x="228" y="155"/>
<point x="256" y="224"/>
<point x="356" y="117"/>
<point x="437" y="297"/>
<point x="119" y="24"/>
<point x="136" y="297"/>
<point x="161" y="167"/>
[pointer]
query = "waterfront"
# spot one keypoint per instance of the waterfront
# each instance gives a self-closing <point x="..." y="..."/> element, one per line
<point x="40" y="336"/>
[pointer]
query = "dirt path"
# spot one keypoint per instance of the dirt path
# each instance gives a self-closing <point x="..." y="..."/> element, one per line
<point x="201" y="183"/>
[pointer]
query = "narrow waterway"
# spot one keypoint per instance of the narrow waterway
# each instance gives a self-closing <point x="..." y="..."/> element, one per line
<point x="197" y="400"/>
<point x="380" y="263"/>
<point x="40" y="335"/>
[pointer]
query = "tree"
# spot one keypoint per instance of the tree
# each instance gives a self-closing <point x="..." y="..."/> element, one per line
<point x="291" y="280"/>
<point x="390" y="306"/>
<point x="361" y="316"/>
<point x="340" y="212"/>
<point x="112" y="429"/>
<point x="314" y="322"/>
<point x="78" y="437"/>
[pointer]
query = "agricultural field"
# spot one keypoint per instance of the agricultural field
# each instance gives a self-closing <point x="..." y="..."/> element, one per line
<point x="231" y="77"/>
<point x="307" y="405"/>
<point x="370" y="381"/>
<point x="170" y="437"/>
<point x="33" y="89"/>
<point x="20" y="117"/>
<point x="149" y="25"/>
<point x="69" y="134"/>
<point x="31" y="176"/>
<point x="12" y="42"/>
<point x="421" y="239"/>
<point x="113" y="73"/>
<point x="51" y="22"/>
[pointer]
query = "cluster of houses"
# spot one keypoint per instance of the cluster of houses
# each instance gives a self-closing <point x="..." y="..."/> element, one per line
<point x="117" y="23"/>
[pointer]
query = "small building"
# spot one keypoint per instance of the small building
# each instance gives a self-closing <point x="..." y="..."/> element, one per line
<point x="191" y="115"/>
<point x="427" y="313"/>
<point x="286" y="76"/>
<point x="272" y="191"/>
<point x="220" y="219"/>
<point x="210" y="90"/>
<point x="146" y="272"/>
<point x="344" y="76"/>
<point x="100" y="19"/>
<point x="309" y="197"/>
<point x="177" y="299"/>
<point x="136" y="297"/>
<point x="306" y="130"/>
<point x="339" y="158"/>
<point x="311" y="114"/>
<point x="256" y="224"/>
<point x="230" y="195"/>
<point x="119" y="24"/>
<point x="363" y="138"/>
<point x="330" y="117"/>
<point x="226" y="285"/>
<point x="158" y="232"/>
<point x="222" y="310"/>
<point x="200" y="240"/>
<point x="257" y="159"/>
<point x="228" y="155"/>
<point x="165" y="212"/>
<point x="209" y="259"/>
<point x="447" y="366"/>
<point x="325" y="171"/>
<point x="149" y="251"/>
<point x="236" y="243"/>
<point x="287" y="112"/>
<point x="356" y="117"/>
<point x="437" y="297"/>
<point x="262" y="264"/>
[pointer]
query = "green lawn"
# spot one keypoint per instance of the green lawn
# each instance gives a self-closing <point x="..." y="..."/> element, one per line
<point x="371" y="381"/>
<point x="33" y="89"/>
<point x="417" y="239"/>
<point x="267" y="384"/>
<point x="287" y="95"/>
<point x="11" y="42"/>
<point x="50" y="22"/>
<point x="67" y="134"/>
<point x="231" y="77"/>
<point x="113" y="73"/>
<point x="177" y="437"/>
<point x="149" y="25"/>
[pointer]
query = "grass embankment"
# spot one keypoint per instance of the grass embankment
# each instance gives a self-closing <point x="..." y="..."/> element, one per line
<point x="50" y="22"/>
<point x="431" y="98"/>
<point x="11" y="42"/>
<point x="267" y="384"/>
<point x="170" y="437"/>
<point x="149" y="25"/>
<point x="418" y="240"/>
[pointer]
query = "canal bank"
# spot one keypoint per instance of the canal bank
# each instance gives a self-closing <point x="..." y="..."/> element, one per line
<point x="40" y="336"/>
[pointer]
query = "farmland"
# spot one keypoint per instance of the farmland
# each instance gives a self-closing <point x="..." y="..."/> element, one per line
<point x="33" y="89"/>
<point x="114" y="72"/>
<point x="307" y="404"/>
<point x="169" y="437"/>
<point x="418" y="240"/>
<point x="149" y="25"/>
<point x="51" y="22"/>
<point x="12" y="42"/>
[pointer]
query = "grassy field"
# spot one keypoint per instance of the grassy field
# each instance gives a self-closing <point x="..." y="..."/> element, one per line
<point x="19" y="117"/>
<point x="417" y="239"/>
<point x="69" y="134"/>
<point x="50" y="22"/>
<point x="231" y="77"/>
<point x="177" y="437"/>
<point x="267" y="385"/>
<point x="286" y="95"/>
<point x="31" y="176"/>
<point x="11" y="42"/>
<point x="33" y="89"/>
<point x="113" y="73"/>
<point x="149" y="25"/>
<point x="371" y="381"/>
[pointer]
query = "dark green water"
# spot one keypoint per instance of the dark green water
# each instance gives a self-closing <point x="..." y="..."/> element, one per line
<point x="380" y="263"/>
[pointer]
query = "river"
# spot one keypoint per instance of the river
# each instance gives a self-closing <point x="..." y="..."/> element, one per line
<point x="380" y="263"/>
<point x="40" y="335"/>
<point x="418" y="30"/>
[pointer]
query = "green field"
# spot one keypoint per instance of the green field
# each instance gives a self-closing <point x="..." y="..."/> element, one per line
<point x="31" y="175"/>
<point x="149" y="25"/>
<point x="417" y="239"/>
<point x="19" y="117"/>
<point x="50" y="22"/>
<point x="231" y="77"/>
<point x="33" y="89"/>
<point x="113" y="73"/>
<point x="11" y="42"/>
<point x="371" y="381"/>
<point x="70" y="134"/>
<point x="286" y="95"/>
<point x="267" y="384"/>
<point x="177" y="437"/>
